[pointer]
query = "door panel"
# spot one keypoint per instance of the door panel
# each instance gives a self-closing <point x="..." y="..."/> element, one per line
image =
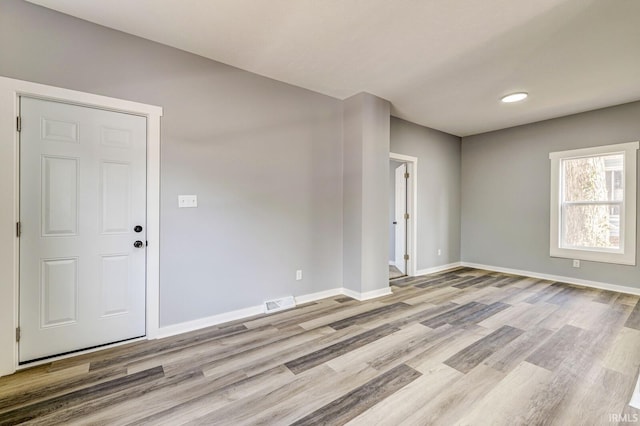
<point x="120" y="138"/>
<point x="401" y="223"/>
<point x="55" y="130"/>
<point x="114" y="198"/>
<point x="59" y="196"/>
<point x="59" y="292"/>
<point x="82" y="191"/>
<point x="115" y="284"/>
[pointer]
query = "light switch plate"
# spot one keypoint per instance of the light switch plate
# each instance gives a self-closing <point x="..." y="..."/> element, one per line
<point x="187" y="201"/>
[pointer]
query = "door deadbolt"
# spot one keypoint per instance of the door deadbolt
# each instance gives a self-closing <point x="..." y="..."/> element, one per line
<point x="138" y="244"/>
<point x="137" y="228"/>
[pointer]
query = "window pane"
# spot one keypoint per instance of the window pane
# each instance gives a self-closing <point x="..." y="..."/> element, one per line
<point x="593" y="178"/>
<point x="591" y="226"/>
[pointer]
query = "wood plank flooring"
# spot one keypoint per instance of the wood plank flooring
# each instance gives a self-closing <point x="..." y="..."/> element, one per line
<point x="467" y="347"/>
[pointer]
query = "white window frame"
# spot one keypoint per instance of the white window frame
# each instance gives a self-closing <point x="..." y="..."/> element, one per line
<point x="626" y="255"/>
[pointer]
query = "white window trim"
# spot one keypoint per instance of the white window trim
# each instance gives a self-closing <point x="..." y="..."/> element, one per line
<point x="627" y="254"/>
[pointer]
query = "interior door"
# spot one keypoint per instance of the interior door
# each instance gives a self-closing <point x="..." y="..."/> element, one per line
<point x="401" y="222"/>
<point x="82" y="220"/>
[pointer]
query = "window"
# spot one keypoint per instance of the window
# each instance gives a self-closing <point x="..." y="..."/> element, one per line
<point x="593" y="203"/>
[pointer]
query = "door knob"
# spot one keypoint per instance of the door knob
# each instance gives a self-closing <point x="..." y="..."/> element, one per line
<point x="395" y="223"/>
<point x="138" y="244"/>
<point x="137" y="228"/>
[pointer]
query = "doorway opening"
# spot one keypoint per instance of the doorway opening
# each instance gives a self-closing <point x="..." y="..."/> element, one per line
<point x="402" y="195"/>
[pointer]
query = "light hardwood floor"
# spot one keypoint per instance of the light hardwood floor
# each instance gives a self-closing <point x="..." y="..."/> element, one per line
<point x="461" y="347"/>
<point x="394" y="273"/>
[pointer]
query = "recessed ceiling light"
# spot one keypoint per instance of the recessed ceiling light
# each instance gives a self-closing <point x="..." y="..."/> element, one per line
<point x="514" y="97"/>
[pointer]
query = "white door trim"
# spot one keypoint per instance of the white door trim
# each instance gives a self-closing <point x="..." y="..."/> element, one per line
<point x="412" y="201"/>
<point x="400" y="223"/>
<point x="10" y="90"/>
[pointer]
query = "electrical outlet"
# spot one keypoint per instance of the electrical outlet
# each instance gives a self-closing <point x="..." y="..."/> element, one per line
<point x="299" y="275"/>
<point x="439" y="252"/>
<point x="187" y="201"/>
<point x="576" y="263"/>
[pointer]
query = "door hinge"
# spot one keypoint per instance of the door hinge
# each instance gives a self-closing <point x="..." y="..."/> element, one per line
<point x="406" y="257"/>
<point x="406" y="216"/>
<point x="18" y="229"/>
<point x="19" y="124"/>
<point x="17" y="334"/>
<point x="406" y="175"/>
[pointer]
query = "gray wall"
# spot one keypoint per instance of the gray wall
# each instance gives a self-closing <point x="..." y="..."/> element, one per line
<point x="438" y="190"/>
<point x="264" y="158"/>
<point x="352" y="195"/>
<point x="365" y="213"/>
<point x="376" y="125"/>
<point x="505" y="192"/>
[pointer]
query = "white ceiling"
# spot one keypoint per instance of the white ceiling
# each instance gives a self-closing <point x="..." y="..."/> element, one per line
<point x="441" y="63"/>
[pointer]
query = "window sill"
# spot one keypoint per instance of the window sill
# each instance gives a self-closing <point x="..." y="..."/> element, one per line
<point x="628" y="259"/>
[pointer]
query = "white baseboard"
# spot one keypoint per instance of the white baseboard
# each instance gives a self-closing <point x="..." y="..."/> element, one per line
<point x="568" y="280"/>
<point x="437" y="269"/>
<point x="392" y="263"/>
<point x="366" y="295"/>
<point x="184" y="327"/>
<point x="306" y="298"/>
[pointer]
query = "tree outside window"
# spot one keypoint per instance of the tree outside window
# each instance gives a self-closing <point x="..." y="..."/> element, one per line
<point x="592" y="199"/>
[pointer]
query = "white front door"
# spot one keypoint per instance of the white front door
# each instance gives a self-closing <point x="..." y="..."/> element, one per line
<point x="82" y="217"/>
<point x="401" y="222"/>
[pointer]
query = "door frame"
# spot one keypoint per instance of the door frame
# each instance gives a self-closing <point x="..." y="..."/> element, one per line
<point x="10" y="91"/>
<point x="401" y="204"/>
<point x="412" y="207"/>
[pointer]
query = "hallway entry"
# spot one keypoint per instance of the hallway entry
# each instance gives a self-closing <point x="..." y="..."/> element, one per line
<point x="398" y="254"/>
<point x="402" y="198"/>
